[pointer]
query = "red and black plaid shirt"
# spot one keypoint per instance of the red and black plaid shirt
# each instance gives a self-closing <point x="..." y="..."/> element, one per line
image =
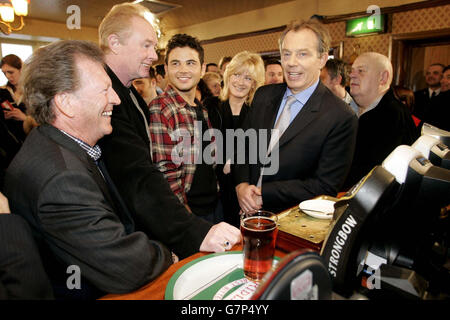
<point x="174" y="136"/>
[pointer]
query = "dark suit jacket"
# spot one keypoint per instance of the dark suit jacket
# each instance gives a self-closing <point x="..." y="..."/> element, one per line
<point x="154" y="207"/>
<point x="59" y="190"/>
<point x="22" y="275"/>
<point x="380" y="131"/>
<point x="438" y="112"/>
<point x="315" y="151"/>
<point x="422" y="103"/>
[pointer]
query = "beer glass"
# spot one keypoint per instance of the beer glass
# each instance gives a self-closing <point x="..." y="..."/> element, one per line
<point x="259" y="232"/>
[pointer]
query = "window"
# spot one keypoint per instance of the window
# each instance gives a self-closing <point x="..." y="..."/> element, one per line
<point x="21" y="50"/>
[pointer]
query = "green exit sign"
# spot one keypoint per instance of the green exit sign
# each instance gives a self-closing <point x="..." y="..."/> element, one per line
<point x="367" y="25"/>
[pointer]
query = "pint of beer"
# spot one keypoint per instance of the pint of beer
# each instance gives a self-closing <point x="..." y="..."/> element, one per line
<point x="259" y="232"/>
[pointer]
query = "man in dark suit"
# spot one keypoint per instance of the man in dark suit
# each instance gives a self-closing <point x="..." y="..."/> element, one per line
<point x="22" y="275"/>
<point x="315" y="151"/>
<point x="384" y="122"/>
<point x="425" y="99"/>
<point x="59" y="184"/>
<point x="129" y="53"/>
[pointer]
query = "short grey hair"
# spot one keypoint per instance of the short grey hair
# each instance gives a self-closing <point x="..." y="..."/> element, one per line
<point x="51" y="70"/>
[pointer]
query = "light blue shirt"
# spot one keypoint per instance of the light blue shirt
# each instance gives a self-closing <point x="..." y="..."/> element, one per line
<point x="302" y="98"/>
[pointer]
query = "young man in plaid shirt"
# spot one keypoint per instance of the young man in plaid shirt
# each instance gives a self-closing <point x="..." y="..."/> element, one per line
<point x="179" y="130"/>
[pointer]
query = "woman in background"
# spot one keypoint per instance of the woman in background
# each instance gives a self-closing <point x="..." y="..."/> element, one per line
<point x="242" y="77"/>
<point x="13" y="110"/>
<point x="406" y="96"/>
<point x="213" y="80"/>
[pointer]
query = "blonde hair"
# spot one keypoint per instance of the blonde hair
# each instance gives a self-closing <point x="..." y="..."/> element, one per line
<point x="118" y="21"/>
<point x="212" y="76"/>
<point x="255" y="66"/>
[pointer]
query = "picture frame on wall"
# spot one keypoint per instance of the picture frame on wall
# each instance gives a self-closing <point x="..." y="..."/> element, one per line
<point x="336" y="50"/>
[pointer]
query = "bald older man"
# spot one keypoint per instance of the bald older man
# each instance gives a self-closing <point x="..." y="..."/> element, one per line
<point x="384" y="123"/>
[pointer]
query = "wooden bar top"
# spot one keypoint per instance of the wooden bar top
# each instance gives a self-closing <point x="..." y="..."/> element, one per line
<point x="155" y="290"/>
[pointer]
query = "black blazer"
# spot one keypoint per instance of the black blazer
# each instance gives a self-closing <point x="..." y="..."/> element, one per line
<point x="423" y="102"/>
<point x="380" y="131"/>
<point x="59" y="190"/>
<point x="315" y="151"/>
<point x="154" y="207"/>
<point x="22" y="275"/>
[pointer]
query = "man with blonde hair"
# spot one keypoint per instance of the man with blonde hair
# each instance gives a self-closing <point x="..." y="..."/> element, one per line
<point x="316" y="130"/>
<point x="384" y="122"/>
<point x="129" y="43"/>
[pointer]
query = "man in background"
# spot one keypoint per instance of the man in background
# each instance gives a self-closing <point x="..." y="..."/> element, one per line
<point x="425" y="98"/>
<point x="212" y="67"/>
<point x="384" y="122"/>
<point x="223" y="64"/>
<point x="334" y="77"/>
<point x="274" y="72"/>
<point x="146" y="87"/>
<point x="161" y="79"/>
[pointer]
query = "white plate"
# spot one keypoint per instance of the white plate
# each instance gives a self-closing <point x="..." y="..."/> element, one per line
<point x="326" y="206"/>
<point x="212" y="277"/>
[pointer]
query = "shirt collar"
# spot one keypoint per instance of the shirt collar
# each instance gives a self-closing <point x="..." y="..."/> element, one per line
<point x="372" y="105"/>
<point x="94" y="152"/>
<point x="171" y="92"/>
<point x="430" y="91"/>
<point x="304" y="95"/>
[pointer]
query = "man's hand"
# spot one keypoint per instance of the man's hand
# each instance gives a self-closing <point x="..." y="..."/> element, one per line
<point x="4" y="206"/>
<point x="219" y="235"/>
<point x="249" y="197"/>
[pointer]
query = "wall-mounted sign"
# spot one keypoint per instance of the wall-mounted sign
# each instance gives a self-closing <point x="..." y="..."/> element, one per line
<point x="366" y="25"/>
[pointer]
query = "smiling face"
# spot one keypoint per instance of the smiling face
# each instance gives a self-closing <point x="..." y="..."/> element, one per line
<point x="445" y="81"/>
<point x="93" y="102"/>
<point x="12" y="74"/>
<point x="433" y="76"/>
<point x="240" y="83"/>
<point x="301" y="60"/>
<point x="184" y="69"/>
<point x="274" y="74"/>
<point x="138" y="49"/>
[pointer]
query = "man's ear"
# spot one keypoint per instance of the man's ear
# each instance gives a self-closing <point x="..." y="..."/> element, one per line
<point x="114" y="42"/>
<point x="384" y="77"/>
<point x="337" y="80"/>
<point x="63" y="103"/>
<point x="323" y="59"/>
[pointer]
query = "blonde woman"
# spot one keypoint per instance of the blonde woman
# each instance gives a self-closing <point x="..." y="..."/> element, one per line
<point x="243" y="76"/>
<point x="213" y="80"/>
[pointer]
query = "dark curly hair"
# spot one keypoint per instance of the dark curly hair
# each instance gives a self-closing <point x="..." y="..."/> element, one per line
<point x="184" y="40"/>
